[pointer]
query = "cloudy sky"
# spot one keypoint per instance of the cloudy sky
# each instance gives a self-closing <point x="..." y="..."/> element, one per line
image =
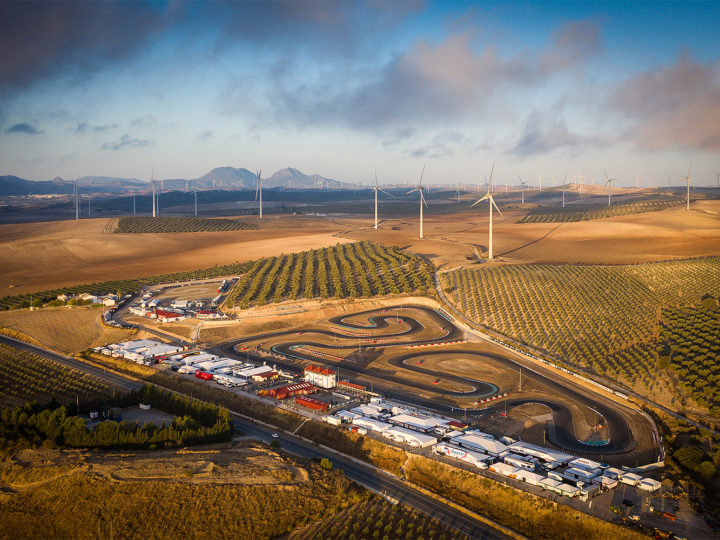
<point x="342" y="88"/>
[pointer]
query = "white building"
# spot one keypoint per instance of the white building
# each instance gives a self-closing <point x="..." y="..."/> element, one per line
<point x="416" y="422"/>
<point x="648" y="484"/>
<point x="320" y="377"/>
<point x="540" y="452"/>
<point x="371" y="424"/>
<point x="409" y="437"/>
<point x="481" y="444"/>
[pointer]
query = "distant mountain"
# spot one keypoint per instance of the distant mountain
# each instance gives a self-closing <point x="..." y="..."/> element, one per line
<point x="12" y="185"/>
<point x="110" y="181"/>
<point x="227" y="178"/>
<point x="293" y="178"/>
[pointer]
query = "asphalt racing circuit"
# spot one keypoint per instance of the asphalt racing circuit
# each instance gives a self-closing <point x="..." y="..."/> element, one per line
<point x="390" y="349"/>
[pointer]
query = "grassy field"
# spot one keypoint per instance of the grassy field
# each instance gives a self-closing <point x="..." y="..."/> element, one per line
<point x="140" y="225"/>
<point x="527" y="514"/>
<point x="602" y="318"/>
<point x="583" y="212"/>
<point x="62" y="329"/>
<point x="215" y="492"/>
<point x="360" y="269"/>
<point x="29" y="377"/>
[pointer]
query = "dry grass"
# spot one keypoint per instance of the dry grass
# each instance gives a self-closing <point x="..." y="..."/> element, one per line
<point x="62" y="329"/>
<point x="243" y="492"/>
<point x="525" y="513"/>
<point x="668" y="234"/>
<point x="42" y="256"/>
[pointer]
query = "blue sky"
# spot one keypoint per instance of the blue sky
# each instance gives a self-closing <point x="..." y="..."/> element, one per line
<point x="342" y="88"/>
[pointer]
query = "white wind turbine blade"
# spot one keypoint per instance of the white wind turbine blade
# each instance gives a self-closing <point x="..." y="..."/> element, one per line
<point x="480" y="200"/>
<point x="491" y="175"/>
<point x="492" y="201"/>
<point x="386" y="193"/>
<point x="421" y="175"/>
<point x="422" y="198"/>
<point x="257" y="185"/>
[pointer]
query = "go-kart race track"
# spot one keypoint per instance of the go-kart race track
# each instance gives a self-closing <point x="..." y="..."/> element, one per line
<point x="364" y="345"/>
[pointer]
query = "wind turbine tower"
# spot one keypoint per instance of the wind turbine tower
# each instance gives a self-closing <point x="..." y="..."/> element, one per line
<point x="717" y="179"/>
<point x="687" y="180"/>
<point x="152" y="181"/>
<point x="563" y="190"/>
<point x="491" y="202"/>
<point x="77" y="202"/>
<point x="258" y="190"/>
<point x="376" y="188"/>
<point x="419" y="189"/>
<point x="609" y="181"/>
<point x="522" y="190"/>
<point x="540" y="177"/>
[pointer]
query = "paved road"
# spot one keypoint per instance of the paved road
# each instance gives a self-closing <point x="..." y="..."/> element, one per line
<point x="378" y="482"/>
<point x="111" y="378"/>
<point x="366" y="476"/>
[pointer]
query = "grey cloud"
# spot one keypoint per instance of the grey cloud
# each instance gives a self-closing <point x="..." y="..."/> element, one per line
<point x="84" y="127"/>
<point x="42" y="39"/>
<point x="27" y="129"/>
<point x="433" y="83"/>
<point x="395" y="136"/>
<point x="205" y="135"/>
<point x="675" y="106"/>
<point x="125" y="142"/>
<point x="144" y="122"/>
<point x="542" y="135"/>
<point x="431" y="151"/>
<point x="571" y="44"/>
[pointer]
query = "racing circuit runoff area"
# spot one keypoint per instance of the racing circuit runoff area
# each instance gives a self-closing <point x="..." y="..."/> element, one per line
<point x="417" y="355"/>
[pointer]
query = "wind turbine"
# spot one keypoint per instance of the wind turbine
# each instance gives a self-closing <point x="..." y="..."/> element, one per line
<point x="152" y="181"/>
<point x="419" y="189"/>
<point x="563" y="189"/>
<point x="540" y="177"/>
<point x="717" y="179"/>
<point x="687" y="179"/>
<point x="491" y="203"/>
<point x="258" y="189"/>
<point x="608" y="182"/>
<point x="376" y="189"/>
<point x="522" y="189"/>
<point x="457" y="192"/>
<point x="195" y="193"/>
<point x="77" y="204"/>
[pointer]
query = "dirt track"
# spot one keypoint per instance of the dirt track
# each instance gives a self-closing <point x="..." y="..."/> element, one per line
<point x="445" y="378"/>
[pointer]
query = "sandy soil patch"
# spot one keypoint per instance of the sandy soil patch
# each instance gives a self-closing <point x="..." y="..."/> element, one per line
<point x="671" y="233"/>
